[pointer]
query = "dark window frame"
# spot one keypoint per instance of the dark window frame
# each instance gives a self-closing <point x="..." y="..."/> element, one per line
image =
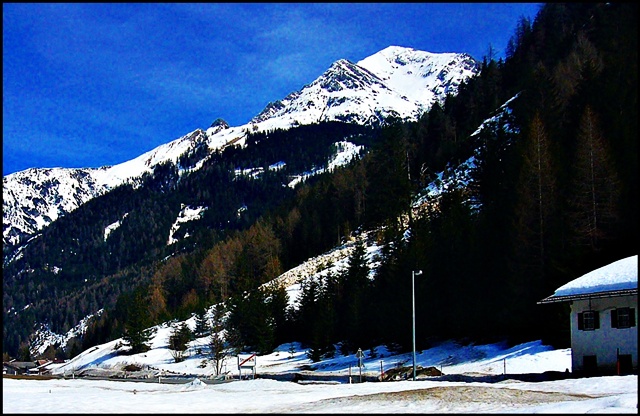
<point x="588" y="320"/>
<point x="623" y="318"/>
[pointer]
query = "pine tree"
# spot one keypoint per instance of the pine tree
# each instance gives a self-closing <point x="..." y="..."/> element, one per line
<point x="390" y="292"/>
<point x="353" y="310"/>
<point x="307" y="313"/>
<point x="136" y="334"/>
<point x="322" y="322"/>
<point x="202" y="327"/>
<point x="250" y="323"/>
<point x="179" y="341"/>
<point x="277" y="300"/>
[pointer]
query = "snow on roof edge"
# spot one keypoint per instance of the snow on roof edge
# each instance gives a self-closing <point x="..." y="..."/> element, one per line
<point x="619" y="277"/>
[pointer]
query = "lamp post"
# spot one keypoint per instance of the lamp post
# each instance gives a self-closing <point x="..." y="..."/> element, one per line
<point x="414" y="273"/>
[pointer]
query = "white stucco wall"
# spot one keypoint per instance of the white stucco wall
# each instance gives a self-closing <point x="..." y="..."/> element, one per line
<point x="603" y="342"/>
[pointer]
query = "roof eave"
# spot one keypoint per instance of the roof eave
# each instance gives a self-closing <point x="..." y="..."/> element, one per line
<point x="608" y="294"/>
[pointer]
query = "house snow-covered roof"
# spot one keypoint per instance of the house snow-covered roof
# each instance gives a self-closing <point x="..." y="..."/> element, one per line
<point x="615" y="279"/>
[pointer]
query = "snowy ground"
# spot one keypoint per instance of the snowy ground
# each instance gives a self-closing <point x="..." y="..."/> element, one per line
<point x="614" y="394"/>
<point x="601" y="395"/>
<point x="492" y="378"/>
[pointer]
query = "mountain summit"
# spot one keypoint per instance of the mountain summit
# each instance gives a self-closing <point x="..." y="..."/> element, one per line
<point x="423" y="77"/>
<point x="399" y="82"/>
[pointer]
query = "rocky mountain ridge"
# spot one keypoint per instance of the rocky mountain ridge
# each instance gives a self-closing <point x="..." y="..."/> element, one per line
<point x="395" y="82"/>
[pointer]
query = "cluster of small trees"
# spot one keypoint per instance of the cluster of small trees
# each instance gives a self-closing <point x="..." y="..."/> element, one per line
<point x="209" y="325"/>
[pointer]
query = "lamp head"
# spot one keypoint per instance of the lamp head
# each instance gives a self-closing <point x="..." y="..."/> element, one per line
<point x="418" y="272"/>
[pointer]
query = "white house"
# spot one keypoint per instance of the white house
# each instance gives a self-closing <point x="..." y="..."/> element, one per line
<point x="604" y="335"/>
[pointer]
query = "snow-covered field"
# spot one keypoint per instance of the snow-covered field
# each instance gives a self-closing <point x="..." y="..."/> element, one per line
<point x="613" y="394"/>
<point x="464" y="388"/>
<point x="600" y="395"/>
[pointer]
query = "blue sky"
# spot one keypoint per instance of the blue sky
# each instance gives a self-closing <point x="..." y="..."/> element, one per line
<point x="88" y="85"/>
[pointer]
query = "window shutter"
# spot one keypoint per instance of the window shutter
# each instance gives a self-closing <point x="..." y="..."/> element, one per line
<point x="632" y="317"/>
<point x="580" y="322"/>
<point x="614" y="318"/>
<point x="596" y="320"/>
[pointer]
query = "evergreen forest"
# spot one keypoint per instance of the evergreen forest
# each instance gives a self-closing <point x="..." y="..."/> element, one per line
<point x="553" y="195"/>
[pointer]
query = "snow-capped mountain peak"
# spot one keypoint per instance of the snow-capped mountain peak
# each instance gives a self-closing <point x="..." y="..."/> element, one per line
<point x="399" y="82"/>
<point x="396" y="81"/>
<point x="421" y="76"/>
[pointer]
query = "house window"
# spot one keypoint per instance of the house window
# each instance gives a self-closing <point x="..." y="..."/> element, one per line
<point x="588" y="320"/>
<point x="623" y="318"/>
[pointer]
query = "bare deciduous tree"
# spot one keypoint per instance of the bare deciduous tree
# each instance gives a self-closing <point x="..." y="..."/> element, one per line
<point x="596" y="187"/>
<point x="217" y="351"/>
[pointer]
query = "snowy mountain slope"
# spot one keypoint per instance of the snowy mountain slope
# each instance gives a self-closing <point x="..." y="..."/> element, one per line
<point x="187" y="214"/>
<point x="454" y="176"/>
<point x="458" y="177"/>
<point x="396" y="81"/>
<point x="33" y="198"/>
<point x="44" y="337"/>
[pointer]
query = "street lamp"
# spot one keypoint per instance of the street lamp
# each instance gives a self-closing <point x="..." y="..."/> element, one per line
<point x="414" y="273"/>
